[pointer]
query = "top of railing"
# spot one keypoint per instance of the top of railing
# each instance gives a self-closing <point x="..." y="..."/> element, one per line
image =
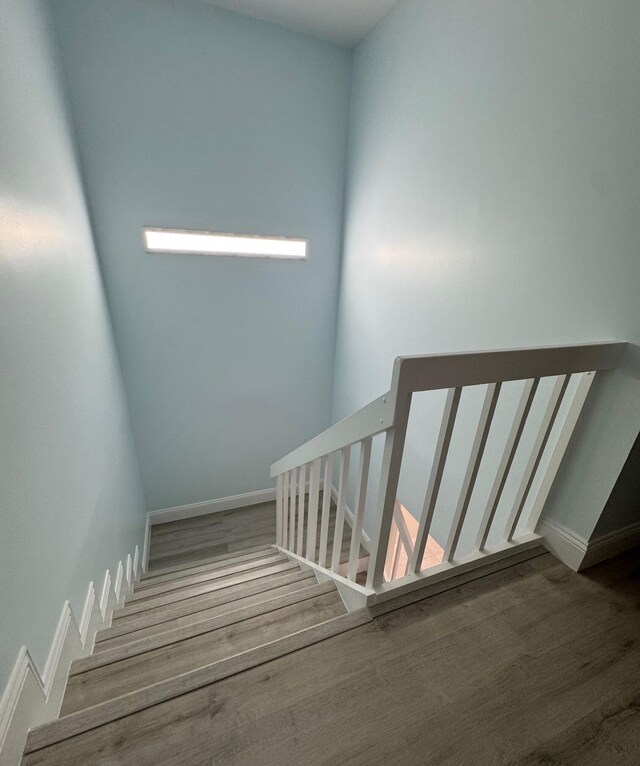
<point x="437" y="371"/>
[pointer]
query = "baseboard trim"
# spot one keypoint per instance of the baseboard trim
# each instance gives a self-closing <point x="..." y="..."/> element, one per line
<point x="565" y="544"/>
<point x="580" y="554"/>
<point x="191" y="510"/>
<point x="611" y="544"/>
<point x="147" y="544"/>
<point x="32" y="698"/>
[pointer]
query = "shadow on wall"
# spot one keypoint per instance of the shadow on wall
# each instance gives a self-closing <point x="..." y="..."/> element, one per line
<point x="623" y="506"/>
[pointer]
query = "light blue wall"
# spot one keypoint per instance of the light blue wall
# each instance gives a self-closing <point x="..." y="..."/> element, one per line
<point x="492" y="201"/>
<point x="193" y="117"/>
<point x="71" y="503"/>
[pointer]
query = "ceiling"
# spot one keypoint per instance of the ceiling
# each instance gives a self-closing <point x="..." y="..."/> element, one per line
<point x="341" y="21"/>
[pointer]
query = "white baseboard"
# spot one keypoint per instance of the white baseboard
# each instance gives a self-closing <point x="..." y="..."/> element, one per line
<point x="147" y="544"/>
<point x="606" y="546"/>
<point x="565" y="545"/>
<point x="578" y="553"/>
<point x="366" y="540"/>
<point x="30" y="697"/>
<point x="191" y="510"/>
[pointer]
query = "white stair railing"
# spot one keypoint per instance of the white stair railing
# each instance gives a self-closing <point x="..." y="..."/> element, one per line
<point x="306" y="471"/>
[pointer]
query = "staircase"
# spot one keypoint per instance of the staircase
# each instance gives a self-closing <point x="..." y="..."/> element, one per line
<point x="231" y="591"/>
<point x="191" y="620"/>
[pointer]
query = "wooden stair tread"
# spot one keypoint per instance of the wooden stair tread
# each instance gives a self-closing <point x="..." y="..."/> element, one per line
<point x="207" y="536"/>
<point x="90" y="718"/>
<point x="234" y="516"/>
<point x="210" y="586"/>
<point x="109" y="681"/>
<point x="305" y="581"/>
<point x="197" y="603"/>
<point x="218" y="598"/>
<point x="205" y="565"/>
<point x="198" y="627"/>
<point x="209" y="549"/>
<point x="207" y="575"/>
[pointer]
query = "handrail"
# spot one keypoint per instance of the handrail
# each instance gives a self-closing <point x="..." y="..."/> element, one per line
<point x="435" y="371"/>
<point x="370" y="420"/>
<point x="389" y="414"/>
<point x="429" y="372"/>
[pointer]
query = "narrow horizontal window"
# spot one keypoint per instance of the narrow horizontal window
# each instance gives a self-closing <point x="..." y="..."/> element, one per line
<point x="213" y="243"/>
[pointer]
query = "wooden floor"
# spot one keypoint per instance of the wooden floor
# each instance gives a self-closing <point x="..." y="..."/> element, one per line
<point x="531" y="665"/>
<point x="185" y="542"/>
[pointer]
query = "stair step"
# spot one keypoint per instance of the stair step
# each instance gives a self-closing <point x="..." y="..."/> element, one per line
<point x="139" y="594"/>
<point x="105" y="682"/>
<point x="162" y="599"/>
<point x="205" y="565"/>
<point x="197" y="628"/>
<point x="150" y="574"/>
<point x="190" y="606"/>
<point x="237" y="518"/>
<point x="220" y="534"/>
<point x="306" y="580"/>
<point x="211" y="549"/>
<point x="90" y="718"/>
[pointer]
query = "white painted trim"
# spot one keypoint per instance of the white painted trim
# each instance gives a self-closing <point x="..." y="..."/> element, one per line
<point x="128" y="570"/>
<point x="578" y="553"/>
<point x="348" y="514"/>
<point x="565" y="545"/>
<point x="435" y="371"/>
<point x="354" y="596"/>
<point x="32" y="698"/>
<point x="120" y="586"/>
<point x="104" y="594"/>
<point x="146" y="544"/>
<point x="21" y="707"/>
<point x="448" y="569"/>
<point x="191" y="510"/>
<point x="606" y="546"/>
<point x="136" y="564"/>
<point x="87" y="610"/>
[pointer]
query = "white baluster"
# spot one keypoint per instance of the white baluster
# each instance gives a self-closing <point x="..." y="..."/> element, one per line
<point x="388" y="491"/>
<point x="326" y="509"/>
<point x="293" y="488"/>
<point x="435" y="479"/>
<point x="279" y="506"/>
<point x="342" y="502"/>
<point x="568" y="427"/>
<point x="511" y="447"/>
<point x="477" y="451"/>
<point x="284" y="536"/>
<point x="312" y="522"/>
<point x="555" y="400"/>
<point x="302" y="492"/>
<point x="358" y="511"/>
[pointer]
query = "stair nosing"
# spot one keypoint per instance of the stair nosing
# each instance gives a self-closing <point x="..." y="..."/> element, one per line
<point x="201" y="548"/>
<point x="104" y="713"/>
<point x="208" y="625"/>
<point x="210" y="559"/>
<point x="205" y="566"/>
<point x="172" y="597"/>
<point x="119" y="632"/>
<point x="216" y="574"/>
